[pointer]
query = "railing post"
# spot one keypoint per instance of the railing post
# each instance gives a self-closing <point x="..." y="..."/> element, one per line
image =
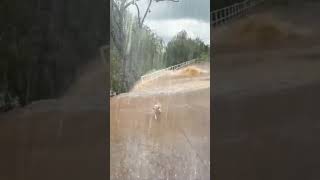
<point x="156" y="74"/>
<point x="238" y="9"/>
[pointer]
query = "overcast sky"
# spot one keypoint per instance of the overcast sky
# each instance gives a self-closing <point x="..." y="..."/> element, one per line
<point x="168" y="18"/>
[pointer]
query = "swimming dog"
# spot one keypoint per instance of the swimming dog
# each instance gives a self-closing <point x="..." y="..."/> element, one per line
<point x="157" y="111"/>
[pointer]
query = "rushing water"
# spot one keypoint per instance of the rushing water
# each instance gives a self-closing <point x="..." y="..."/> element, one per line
<point x="176" y="146"/>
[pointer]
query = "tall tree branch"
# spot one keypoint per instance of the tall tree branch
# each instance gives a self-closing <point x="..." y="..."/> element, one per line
<point x="128" y="4"/>
<point x="141" y="21"/>
<point x="147" y="11"/>
<point x="138" y="13"/>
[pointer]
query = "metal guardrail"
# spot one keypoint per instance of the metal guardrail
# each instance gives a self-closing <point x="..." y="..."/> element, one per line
<point x="156" y="74"/>
<point x="150" y="76"/>
<point x="222" y="15"/>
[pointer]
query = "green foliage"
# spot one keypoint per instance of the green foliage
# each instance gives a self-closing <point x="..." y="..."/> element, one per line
<point x="182" y="48"/>
<point x="144" y="52"/>
<point x="204" y="56"/>
<point x="115" y="70"/>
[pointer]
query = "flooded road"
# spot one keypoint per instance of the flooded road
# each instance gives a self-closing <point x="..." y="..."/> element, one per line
<point x="175" y="146"/>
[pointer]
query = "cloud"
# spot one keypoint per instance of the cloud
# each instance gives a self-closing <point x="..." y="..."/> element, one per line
<point x="195" y="9"/>
<point x="168" y="18"/>
<point x="167" y="29"/>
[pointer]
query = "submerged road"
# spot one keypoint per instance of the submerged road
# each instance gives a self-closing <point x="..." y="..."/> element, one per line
<point x="176" y="146"/>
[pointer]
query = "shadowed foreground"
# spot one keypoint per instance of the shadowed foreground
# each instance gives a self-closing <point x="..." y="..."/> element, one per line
<point x="58" y="139"/>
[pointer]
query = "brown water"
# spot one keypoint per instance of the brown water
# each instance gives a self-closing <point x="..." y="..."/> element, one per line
<point x="176" y="146"/>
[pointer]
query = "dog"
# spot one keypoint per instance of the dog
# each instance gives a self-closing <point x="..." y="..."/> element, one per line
<point x="157" y="111"/>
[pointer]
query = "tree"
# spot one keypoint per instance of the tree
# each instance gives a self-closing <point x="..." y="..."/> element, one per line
<point x="182" y="48"/>
<point x="120" y="32"/>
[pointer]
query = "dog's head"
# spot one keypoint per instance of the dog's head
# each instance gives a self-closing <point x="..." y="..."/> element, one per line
<point x="156" y="107"/>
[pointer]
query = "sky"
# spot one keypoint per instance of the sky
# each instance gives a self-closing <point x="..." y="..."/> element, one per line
<point x="168" y="18"/>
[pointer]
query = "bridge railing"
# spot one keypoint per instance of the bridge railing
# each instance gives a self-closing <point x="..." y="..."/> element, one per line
<point x="222" y="15"/>
<point x="156" y="74"/>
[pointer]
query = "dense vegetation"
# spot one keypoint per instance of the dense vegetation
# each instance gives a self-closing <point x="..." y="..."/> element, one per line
<point x="43" y="43"/>
<point x="144" y="52"/>
<point x="182" y="48"/>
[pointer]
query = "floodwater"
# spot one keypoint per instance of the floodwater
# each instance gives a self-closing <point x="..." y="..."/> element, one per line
<point x="175" y="146"/>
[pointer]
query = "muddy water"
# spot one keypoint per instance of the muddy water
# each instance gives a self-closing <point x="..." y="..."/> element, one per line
<point x="176" y="146"/>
